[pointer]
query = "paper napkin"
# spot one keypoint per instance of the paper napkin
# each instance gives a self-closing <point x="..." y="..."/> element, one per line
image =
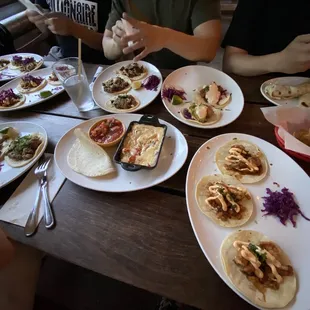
<point x="18" y="207"/>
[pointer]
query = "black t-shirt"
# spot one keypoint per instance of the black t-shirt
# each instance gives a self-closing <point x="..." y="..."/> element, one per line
<point x="90" y="13"/>
<point x="263" y="27"/>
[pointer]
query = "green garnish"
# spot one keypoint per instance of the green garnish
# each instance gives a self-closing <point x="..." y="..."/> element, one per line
<point x="261" y="257"/>
<point x="176" y="100"/>
<point x="45" y="94"/>
<point x="206" y="89"/>
<point x="4" y="130"/>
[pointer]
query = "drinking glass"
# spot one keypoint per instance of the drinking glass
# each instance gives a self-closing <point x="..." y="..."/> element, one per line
<point x="76" y="85"/>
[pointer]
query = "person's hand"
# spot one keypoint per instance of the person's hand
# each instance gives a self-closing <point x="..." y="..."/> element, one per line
<point x="37" y="19"/>
<point x="148" y="37"/>
<point x="60" y="24"/>
<point x="296" y="56"/>
<point x="118" y="33"/>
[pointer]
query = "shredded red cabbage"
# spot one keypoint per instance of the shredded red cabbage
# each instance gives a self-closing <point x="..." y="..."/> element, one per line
<point x="17" y="59"/>
<point x="28" y="60"/>
<point x="151" y="82"/>
<point x="7" y="94"/>
<point x="31" y="78"/>
<point x="187" y="114"/>
<point x="282" y="205"/>
<point x="169" y="92"/>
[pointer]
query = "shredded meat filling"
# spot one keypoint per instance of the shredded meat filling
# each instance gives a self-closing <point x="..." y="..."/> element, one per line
<point x="24" y="148"/>
<point x="124" y="102"/>
<point x="241" y="161"/>
<point x="114" y="85"/>
<point x="132" y="70"/>
<point x="266" y="261"/>
<point x="4" y="63"/>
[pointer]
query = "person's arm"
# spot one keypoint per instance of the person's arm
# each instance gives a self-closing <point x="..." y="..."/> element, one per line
<point x="111" y="43"/>
<point x="293" y="59"/>
<point x="203" y="44"/>
<point x="238" y="61"/>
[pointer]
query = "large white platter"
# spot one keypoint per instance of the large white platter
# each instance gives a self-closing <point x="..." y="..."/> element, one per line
<point x="9" y="174"/>
<point x="282" y="170"/>
<point x="286" y="80"/>
<point x="9" y="74"/>
<point x="190" y="78"/>
<point x="145" y="96"/>
<point x="33" y="98"/>
<point x="172" y="158"/>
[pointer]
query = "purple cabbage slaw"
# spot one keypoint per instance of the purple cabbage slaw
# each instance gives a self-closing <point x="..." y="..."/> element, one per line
<point x="30" y="78"/>
<point x="8" y="94"/>
<point x="169" y="92"/>
<point x="23" y="61"/>
<point x="187" y="114"/>
<point x="151" y="82"/>
<point x="282" y="205"/>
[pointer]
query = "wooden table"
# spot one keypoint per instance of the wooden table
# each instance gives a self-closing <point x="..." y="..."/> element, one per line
<point x="142" y="238"/>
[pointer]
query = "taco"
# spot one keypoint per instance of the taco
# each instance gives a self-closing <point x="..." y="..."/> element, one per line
<point x="134" y="71"/>
<point x="4" y="64"/>
<point x="202" y="114"/>
<point x="243" y="160"/>
<point x="30" y="84"/>
<point x="24" y="64"/>
<point x="53" y="79"/>
<point x="117" y="85"/>
<point x="123" y="103"/>
<point x="7" y="134"/>
<point x="283" y="92"/>
<point x="24" y="149"/>
<point x="223" y="199"/>
<point x="8" y="99"/>
<point x="259" y="269"/>
<point x="214" y="95"/>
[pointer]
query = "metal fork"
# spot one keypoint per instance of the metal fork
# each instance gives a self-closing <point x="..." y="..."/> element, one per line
<point x="31" y="224"/>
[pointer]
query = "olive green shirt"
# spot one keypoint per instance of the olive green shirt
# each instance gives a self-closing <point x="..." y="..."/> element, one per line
<point x="180" y="15"/>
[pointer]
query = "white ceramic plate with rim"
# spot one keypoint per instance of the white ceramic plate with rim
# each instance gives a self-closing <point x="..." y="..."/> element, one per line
<point x="282" y="170"/>
<point x="172" y="157"/>
<point x="33" y="98"/>
<point x="190" y="78"/>
<point x="9" y="174"/>
<point x="286" y="80"/>
<point x="145" y="96"/>
<point x="9" y="74"/>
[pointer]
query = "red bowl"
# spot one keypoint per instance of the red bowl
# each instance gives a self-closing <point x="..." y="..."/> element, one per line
<point x="292" y="153"/>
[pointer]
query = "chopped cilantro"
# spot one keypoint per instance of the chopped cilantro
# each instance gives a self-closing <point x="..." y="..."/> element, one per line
<point x="261" y="257"/>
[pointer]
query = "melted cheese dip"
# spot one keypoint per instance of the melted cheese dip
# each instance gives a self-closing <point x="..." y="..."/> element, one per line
<point x="142" y="145"/>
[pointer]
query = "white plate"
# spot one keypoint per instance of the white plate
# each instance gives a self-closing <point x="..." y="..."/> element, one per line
<point x="284" y="171"/>
<point x="191" y="77"/>
<point x="145" y="96"/>
<point x="9" y="74"/>
<point x="33" y="98"/>
<point x="172" y="157"/>
<point x="9" y="174"/>
<point x="286" y="80"/>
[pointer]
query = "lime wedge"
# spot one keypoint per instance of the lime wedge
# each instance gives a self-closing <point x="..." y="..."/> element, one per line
<point x="176" y="100"/>
<point x="45" y="94"/>
<point x="136" y="85"/>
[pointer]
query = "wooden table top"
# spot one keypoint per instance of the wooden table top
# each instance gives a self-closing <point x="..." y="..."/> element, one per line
<point x="142" y="238"/>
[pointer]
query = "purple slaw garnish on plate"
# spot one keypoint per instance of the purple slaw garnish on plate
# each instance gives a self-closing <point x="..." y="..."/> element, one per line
<point x="169" y="92"/>
<point x="30" y="78"/>
<point x="282" y="205"/>
<point x="151" y="82"/>
<point x="185" y="112"/>
<point x="8" y="94"/>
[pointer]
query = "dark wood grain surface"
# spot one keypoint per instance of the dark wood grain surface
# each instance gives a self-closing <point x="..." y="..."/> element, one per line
<point x="142" y="238"/>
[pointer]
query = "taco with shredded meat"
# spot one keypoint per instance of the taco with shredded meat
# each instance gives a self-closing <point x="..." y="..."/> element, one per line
<point x="259" y="269"/>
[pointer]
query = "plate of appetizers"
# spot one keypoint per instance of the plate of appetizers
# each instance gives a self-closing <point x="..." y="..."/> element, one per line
<point x="248" y="205"/>
<point x="14" y="65"/>
<point x="293" y="90"/>
<point x="202" y="97"/>
<point x="127" y="86"/>
<point x="30" y="89"/>
<point x="121" y="152"/>
<point x="21" y="145"/>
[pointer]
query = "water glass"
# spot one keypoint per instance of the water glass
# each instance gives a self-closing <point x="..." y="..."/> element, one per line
<point x="76" y="85"/>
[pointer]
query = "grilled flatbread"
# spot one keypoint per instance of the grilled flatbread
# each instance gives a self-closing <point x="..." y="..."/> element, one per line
<point x="304" y="101"/>
<point x="283" y="92"/>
